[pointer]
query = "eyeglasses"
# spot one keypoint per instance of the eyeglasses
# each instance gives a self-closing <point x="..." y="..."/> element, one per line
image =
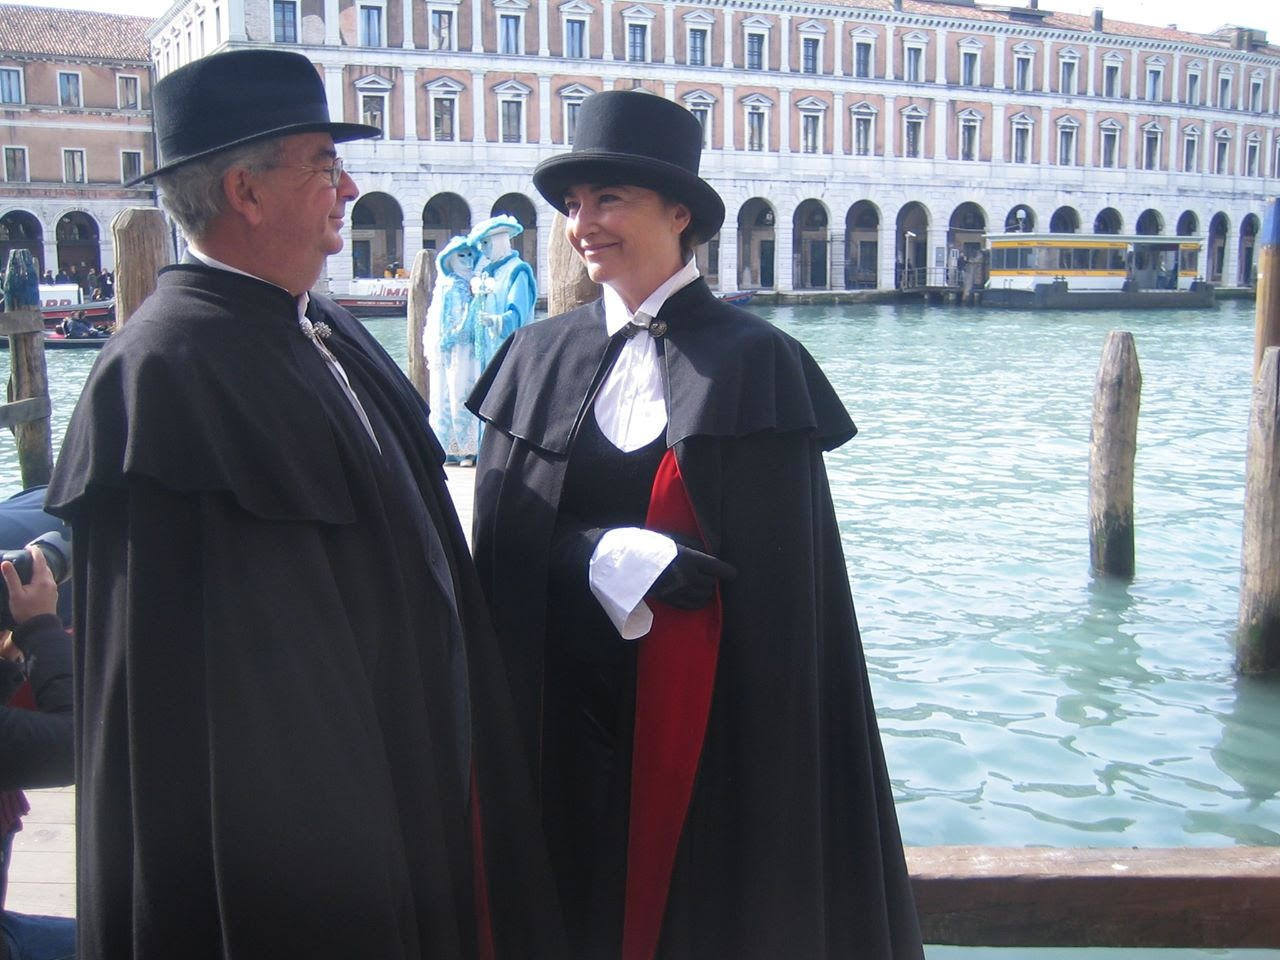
<point x="331" y="173"/>
<point x="334" y="172"/>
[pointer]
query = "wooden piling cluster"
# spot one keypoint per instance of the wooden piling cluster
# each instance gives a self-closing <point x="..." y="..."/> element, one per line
<point x="29" y="410"/>
<point x="1113" y="445"/>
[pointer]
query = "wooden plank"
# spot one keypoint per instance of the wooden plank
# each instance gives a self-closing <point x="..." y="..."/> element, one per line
<point x="24" y="411"/>
<point x="21" y="321"/>
<point x="1196" y="897"/>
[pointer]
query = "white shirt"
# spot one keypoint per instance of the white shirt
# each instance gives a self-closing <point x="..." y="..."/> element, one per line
<point x="334" y="366"/>
<point x="631" y="410"/>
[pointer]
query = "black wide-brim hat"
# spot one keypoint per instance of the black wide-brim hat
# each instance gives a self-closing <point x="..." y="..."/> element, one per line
<point x="637" y="139"/>
<point x="231" y="99"/>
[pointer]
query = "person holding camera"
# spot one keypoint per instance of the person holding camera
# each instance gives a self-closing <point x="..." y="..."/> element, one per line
<point x="35" y="737"/>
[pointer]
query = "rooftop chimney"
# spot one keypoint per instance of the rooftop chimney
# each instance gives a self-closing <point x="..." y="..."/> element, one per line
<point x="1033" y="4"/>
<point x="897" y="5"/>
<point x="1097" y="19"/>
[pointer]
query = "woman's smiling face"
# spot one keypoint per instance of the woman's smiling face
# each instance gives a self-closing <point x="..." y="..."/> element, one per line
<point x="629" y="237"/>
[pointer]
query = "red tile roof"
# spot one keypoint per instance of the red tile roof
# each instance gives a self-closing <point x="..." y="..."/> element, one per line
<point x="998" y="13"/>
<point x="76" y="34"/>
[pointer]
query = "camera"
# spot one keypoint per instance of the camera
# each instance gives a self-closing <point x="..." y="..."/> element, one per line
<point x="57" y="554"/>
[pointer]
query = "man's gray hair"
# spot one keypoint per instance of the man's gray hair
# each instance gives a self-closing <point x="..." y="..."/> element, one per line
<point x="193" y="192"/>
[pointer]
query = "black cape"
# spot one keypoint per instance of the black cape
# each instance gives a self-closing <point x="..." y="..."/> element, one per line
<point x="286" y="681"/>
<point x="791" y="844"/>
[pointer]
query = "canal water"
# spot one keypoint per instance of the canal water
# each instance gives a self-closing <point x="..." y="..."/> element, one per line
<point x="1023" y="702"/>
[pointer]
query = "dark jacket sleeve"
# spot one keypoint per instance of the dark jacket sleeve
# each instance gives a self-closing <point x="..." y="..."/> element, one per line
<point x="36" y="745"/>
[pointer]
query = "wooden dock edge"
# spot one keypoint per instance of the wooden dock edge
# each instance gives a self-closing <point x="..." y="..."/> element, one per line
<point x="1189" y="897"/>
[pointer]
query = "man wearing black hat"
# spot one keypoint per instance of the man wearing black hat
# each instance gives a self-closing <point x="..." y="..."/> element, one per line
<point x="294" y="737"/>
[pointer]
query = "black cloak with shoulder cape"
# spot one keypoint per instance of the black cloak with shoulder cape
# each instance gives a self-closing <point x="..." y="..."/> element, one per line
<point x="294" y="736"/>
<point x="787" y="843"/>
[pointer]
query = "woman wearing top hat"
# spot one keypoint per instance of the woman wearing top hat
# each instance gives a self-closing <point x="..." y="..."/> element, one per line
<point x="657" y="541"/>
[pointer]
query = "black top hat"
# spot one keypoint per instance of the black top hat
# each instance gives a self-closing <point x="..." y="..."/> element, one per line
<point x="234" y="98"/>
<point x="636" y="138"/>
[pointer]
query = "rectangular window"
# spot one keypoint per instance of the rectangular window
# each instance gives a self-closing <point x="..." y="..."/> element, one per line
<point x="130" y="165"/>
<point x="698" y="47"/>
<point x="862" y="59"/>
<point x="914" y="137"/>
<point x="575" y="39"/>
<point x="1022" y="73"/>
<point x="441" y="30"/>
<point x="69" y="90"/>
<point x="1151" y="150"/>
<point x="571" y="119"/>
<point x="755" y="51"/>
<point x="1110" y="145"/>
<point x="915" y="60"/>
<point x="127" y="93"/>
<point x="1193" y="89"/>
<point x="509" y="34"/>
<point x="1021" y="144"/>
<point x="862" y="136"/>
<point x="370" y="26"/>
<point x="512" y="121"/>
<point x="703" y="116"/>
<point x="1190" y="149"/>
<point x="969" y="140"/>
<point x="15" y="164"/>
<point x="1224" y="93"/>
<point x="1067" y="147"/>
<point x="755" y="130"/>
<point x="73" y="166"/>
<point x="1155" y="81"/>
<point x="1255" y="96"/>
<point x="1111" y="80"/>
<point x="1221" y="150"/>
<point x="969" y="68"/>
<point x="809" y="55"/>
<point x="637" y="42"/>
<point x="1067" y="77"/>
<point x="1251" y="159"/>
<point x="809" y="132"/>
<point x="285" y="20"/>
<point x="442" y="113"/>
<point x="373" y="110"/>
<point x="10" y="85"/>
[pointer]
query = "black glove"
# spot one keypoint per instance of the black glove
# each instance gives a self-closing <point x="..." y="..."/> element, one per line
<point x="689" y="581"/>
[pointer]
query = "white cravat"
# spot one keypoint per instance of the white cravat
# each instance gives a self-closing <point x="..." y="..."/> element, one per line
<point x="330" y="360"/>
<point x="631" y="410"/>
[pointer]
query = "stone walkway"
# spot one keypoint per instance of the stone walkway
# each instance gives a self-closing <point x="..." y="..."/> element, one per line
<point x="42" y="877"/>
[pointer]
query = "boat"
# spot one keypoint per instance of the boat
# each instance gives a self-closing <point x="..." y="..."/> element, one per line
<point x="53" y="340"/>
<point x="739" y="298"/>
<point x="1094" y="271"/>
<point x="376" y="297"/>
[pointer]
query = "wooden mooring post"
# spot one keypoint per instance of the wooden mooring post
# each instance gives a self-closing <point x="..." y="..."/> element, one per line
<point x="1267" y="309"/>
<point x="143" y="245"/>
<point x="570" y="285"/>
<point x="1113" y="444"/>
<point x="1258" y="632"/>
<point x="422" y="278"/>
<point x="29" y="409"/>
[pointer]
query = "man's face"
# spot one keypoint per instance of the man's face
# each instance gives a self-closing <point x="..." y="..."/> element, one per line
<point x="302" y="210"/>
